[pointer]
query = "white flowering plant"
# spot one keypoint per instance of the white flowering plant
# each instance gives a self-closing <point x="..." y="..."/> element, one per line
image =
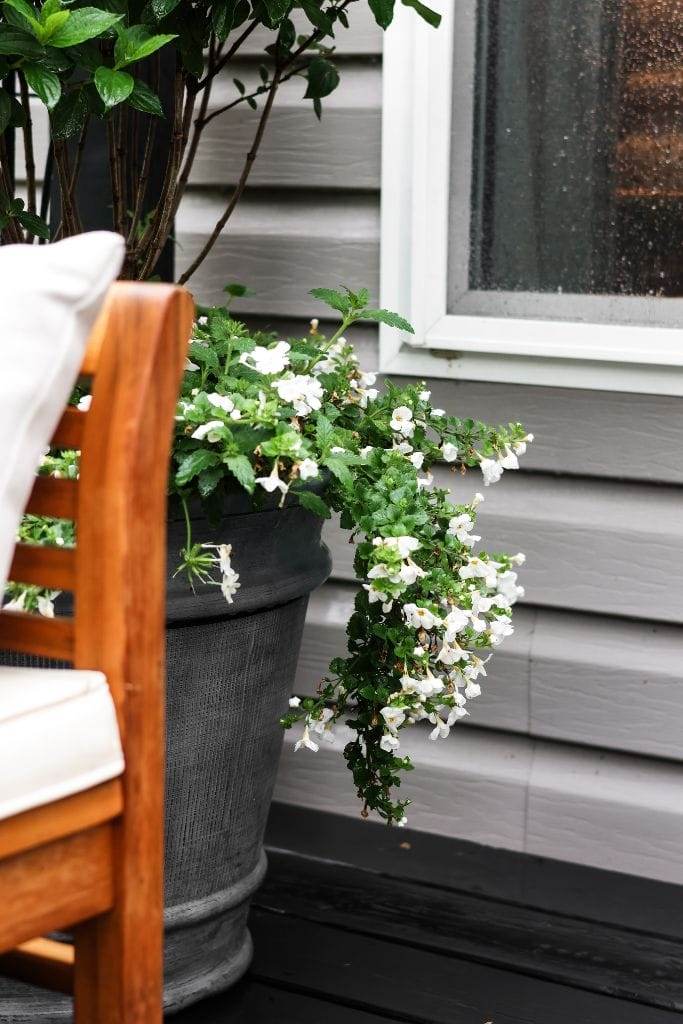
<point x="273" y="416"/>
<point x="300" y="420"/>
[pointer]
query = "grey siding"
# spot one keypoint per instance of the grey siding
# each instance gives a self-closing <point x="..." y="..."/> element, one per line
<point x="574" y="750"/>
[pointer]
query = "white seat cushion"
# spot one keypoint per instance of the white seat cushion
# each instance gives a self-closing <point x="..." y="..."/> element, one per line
<point x="50" y="296"/>
<point x="58" y="736"/>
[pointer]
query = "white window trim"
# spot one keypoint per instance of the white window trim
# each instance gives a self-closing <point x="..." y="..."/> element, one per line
<point x="417" y="91"/>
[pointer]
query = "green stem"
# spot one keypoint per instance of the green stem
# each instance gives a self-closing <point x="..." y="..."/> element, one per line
<point x="188" y="525"/>
<point x="345" y="324"/>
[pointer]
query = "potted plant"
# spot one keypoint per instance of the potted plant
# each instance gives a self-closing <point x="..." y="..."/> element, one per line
<point x="271" y="437"/>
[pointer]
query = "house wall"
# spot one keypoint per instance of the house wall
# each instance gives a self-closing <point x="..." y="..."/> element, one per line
<point x="574" y="749"/>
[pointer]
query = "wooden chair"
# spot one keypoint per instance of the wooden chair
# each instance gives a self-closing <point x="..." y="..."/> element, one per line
<point x="92" y="862"/>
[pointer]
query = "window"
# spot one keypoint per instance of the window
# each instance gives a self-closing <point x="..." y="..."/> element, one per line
<point x="532" y="199"/>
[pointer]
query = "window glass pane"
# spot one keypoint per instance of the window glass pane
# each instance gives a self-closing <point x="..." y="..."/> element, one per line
<point x="577" y="176"/>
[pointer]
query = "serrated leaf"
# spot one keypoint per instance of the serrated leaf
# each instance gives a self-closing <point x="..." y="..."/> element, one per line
<point x="323" y="78"/>
<point x="113" y="86"/>
<point x="34" y="224"/>
<point x="241" y="469"/>
<point x="145" y="99"/>
<point x="324" y="432"/>
<point x="209" y="479"/>
<point x="385" y="316"/>
<point x="84" y="23"/>
<point x="45" y="84"/>
<point x="195" y="463"/>
<point x="331" y="298"/>
<point x="426" y="13"/>
<point x="314" y="503"/>
<point x="68" y="117"/>
<point x="339" y="469"/>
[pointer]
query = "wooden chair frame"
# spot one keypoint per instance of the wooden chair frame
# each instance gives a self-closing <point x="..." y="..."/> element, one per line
<point x="93" y="862"/>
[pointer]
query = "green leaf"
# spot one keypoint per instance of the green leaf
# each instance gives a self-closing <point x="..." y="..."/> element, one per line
<point x="161" y="8"/>
<point x="324" y="433"/>
<point x="331" y="298"/>
<point x="16" y="42"/>
<point x="27" y="16"/>
<point x="136" y="43"/>
<point x="385" y="316"/>
<point x="84" y="23"/>
<point x="113" y="86"/>
<point x="317" y="16"/>
<point x="313" y="503"/>
<point x="194" y="463"/>
<point x="339" y="469"/>
<point x="383" y="11"/>
<point x="276" y="10"/>
<point x="237" y="291"/>
<point x="52" y="25"/>
<point x="323" y="78"/>
<point x="68" y="117"/>
<point x="5" y="110"/>
<point x="228" y="15"/>
<point x="45" y="84"/>
<point x="430" y="16"/>
<point x="145" y="99"/>
<point x="34" y="224"/>
<point x="209" y="479"/>
<point x="241" y="468"/>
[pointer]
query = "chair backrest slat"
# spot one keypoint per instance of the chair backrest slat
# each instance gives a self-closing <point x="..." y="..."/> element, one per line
<point x="69" y="432"/>
<point x="45" y="567"/>
<point x="34" y="634"/>
<point x="55" y="498"/>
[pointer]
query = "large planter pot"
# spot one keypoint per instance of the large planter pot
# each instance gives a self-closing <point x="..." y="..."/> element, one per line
<point x="230" y="671"/>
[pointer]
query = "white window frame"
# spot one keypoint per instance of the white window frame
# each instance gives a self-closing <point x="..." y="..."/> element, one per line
<point x="416" y="155"/>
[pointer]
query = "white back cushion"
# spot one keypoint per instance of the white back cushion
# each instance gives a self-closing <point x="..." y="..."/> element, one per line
<point x="50" y="296"/>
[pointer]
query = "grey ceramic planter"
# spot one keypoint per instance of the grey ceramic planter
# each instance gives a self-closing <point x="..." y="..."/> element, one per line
<point x="230" y="671"/>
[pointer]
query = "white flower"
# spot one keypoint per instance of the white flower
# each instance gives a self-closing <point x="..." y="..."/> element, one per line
<point x="221" y="401"/>
<point x="272" y="482"/>
<point x="449" y="452"/>
<point x="477" y="568"/>
<point x="402" y="823"/>
<point x="405" y="545"/>
<point x="420" y="618"/>
<point x="430" y="685"/>
<point x="307" y="469"/>
<point x="438" y="413"/>
<point x="460" y="527"/>
<point x="451" y="654"/>
<point x="202" y="321"/>
<point x="491" y="470"/>
<point x="378" y="595"/>
<point x="510" y="460"/>
<point x="267" y="360"/>
<point x="84" y="403"/>
<point x="499" y="629"/>
<point x="402" y="421"/>
<point x="519" y="558"/>
<point x="294" y="702"/>
<point x="409" y="684"/>
<point x="389" y="742"/>
<point x="393" y="717"/>
<point x="417" y="458"/>
<point x="306" y="741"/>
<point x="207" y="430"/>
<point x="337" y="449"/>
<point x="320" y="724"/>
<point x="441" y="729"/>
<point x="303" y="391"/>
<point x="454" y="714"/>
<point x="477" y="499"/>
<point x="409" y="573"/>
<point x="520" y="446"/>
<point x="425" y="481"/>
<point x="190" y="366"/>
<point x="456" y="620"/>
<point x="366" y="451"/>
<point x="418" y="651"/>
<point x="424" y="396"/>
<point x="314" y="325"/>
<point x="16" y="604"/>
<point x="403" y="447"/>
<point x="508" y="588"/>
<point x="230" y="584"/>
<point x="472" y="690"/>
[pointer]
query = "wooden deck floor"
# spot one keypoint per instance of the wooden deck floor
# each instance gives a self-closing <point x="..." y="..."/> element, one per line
<point x="358" y="924"/>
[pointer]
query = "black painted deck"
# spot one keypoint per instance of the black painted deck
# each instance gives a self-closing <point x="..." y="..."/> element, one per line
<point x="358" y="924"/>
